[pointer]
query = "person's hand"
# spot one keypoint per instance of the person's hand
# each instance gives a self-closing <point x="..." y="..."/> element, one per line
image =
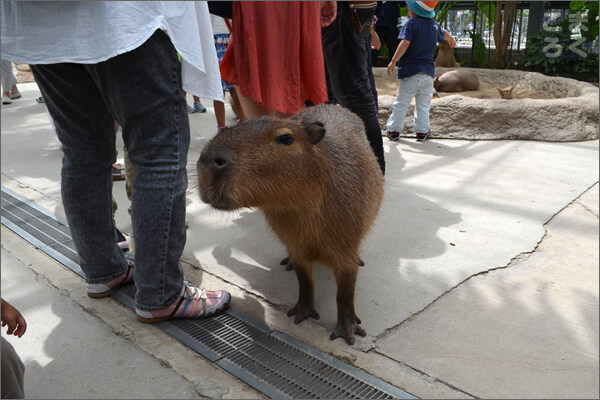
<point x="390" y="68"/>
<point x="12" y="318"/>
<point x="452" y="42"/>
<point x="375" y="41"/>
<point x="328" y="12"/>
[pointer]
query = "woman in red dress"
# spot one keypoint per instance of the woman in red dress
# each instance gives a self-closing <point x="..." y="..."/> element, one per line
<point x="275" y="57"/>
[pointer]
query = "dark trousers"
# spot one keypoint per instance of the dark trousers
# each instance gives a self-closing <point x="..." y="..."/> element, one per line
<point x="13" y="371"/>
<point x="141" y="90"/>
<point x="348" y="64"/>
<point x="390" y="38"/>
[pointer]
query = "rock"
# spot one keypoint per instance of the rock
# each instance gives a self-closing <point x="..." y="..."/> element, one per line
<point x="569" y="114"/>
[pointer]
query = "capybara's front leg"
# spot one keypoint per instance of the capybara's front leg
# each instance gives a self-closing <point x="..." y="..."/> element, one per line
<point x="348" y="322"/>
<point x="306" y="294"/>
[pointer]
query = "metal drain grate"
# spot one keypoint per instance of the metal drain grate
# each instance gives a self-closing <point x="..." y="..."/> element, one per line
<point x="275" y="364"/>
<point x="45" y="230"/>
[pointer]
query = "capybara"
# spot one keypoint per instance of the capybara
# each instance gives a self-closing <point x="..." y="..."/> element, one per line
<point x="319" y="185"/>
<point x="445" y="57"/>
<point x="458" y="80"/>
<point x="506" y="93"/>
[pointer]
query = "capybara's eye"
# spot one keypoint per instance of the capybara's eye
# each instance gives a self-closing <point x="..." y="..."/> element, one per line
<point x="285" y="140"/>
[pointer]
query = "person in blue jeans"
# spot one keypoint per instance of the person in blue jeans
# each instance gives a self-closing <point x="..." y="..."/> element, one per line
<point x="99" y="62"/>
<point x="414" y="56"/>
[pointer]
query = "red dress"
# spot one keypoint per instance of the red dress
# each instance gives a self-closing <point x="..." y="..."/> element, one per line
<point x="275" y="54"/>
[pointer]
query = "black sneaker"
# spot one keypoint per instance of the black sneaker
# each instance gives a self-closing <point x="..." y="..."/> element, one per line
<point x="422" y="136"/>
<point x="393" y="135"/>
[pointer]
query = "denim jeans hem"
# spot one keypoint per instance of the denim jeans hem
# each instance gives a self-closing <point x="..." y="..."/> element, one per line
<point x="168" y="303"/>
<point x="107" y="278"/>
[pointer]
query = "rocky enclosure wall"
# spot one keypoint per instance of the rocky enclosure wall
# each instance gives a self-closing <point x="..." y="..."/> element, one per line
<point x="569" y="114"/>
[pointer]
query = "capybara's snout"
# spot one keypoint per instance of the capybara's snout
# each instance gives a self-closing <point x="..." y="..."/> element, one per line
<point x="216" y="161"/>
<point x="213" y="164"/>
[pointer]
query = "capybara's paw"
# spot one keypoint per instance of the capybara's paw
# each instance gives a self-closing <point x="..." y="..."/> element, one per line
<point x="347" y="332"/>
<point x="361" y="263"/>
<point x="302" y="313"/>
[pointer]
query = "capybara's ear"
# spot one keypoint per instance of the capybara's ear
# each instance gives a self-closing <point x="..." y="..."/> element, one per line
<point x="315" y="131"/>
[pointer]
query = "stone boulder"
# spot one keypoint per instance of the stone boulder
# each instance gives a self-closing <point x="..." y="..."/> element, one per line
<point x="544" y="108"/>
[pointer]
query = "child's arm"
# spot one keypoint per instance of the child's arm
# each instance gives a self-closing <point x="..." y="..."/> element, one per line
<point x="13" y="318"/>
<point x="448" y="38"/>
<point x="400" y="50"/>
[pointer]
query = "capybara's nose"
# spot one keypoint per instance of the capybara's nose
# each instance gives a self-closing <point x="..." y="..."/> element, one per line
<point x="217" y="161"/>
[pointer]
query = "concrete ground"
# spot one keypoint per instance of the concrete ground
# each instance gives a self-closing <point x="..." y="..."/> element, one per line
<point x="481" y="276"/>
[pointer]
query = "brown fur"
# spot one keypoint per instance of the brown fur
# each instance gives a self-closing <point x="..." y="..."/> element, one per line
<point x="445" y="57"/>
<point x="506" y="93"/>
<point x="459" y="80"/>
<point x="320" y="194"/>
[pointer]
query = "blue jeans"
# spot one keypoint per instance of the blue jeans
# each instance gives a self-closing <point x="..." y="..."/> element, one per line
<point x="419" y="86"/>
<point x="141" y="90"/>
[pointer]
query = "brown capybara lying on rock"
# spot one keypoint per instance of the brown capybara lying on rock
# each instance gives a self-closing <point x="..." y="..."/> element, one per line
<point x="459" y="80"/>
<point x="319" y="185"/>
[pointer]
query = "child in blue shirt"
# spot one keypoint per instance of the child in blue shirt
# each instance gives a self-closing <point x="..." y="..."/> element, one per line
<point x="414" y="56"/>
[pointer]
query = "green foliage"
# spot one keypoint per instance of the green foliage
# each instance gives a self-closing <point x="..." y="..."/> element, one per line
<point x="535" y="60"/>
<point x="403" y="12"/>
<point x="592" y="6"/>
<point x="442" y="11"/>
<point x="478" y="47"/>
<point x="489" y="12"/>
<point x="383" y="50"/>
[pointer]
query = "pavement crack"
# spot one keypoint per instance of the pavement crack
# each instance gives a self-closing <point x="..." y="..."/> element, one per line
<point x="39" y="276"/>
<point x="582" y="204"/>
<point x="429" y="378"/>
<point x="513" y="262"/>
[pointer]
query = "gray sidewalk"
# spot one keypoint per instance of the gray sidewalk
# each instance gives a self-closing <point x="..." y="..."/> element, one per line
<point x="481" y="276"/>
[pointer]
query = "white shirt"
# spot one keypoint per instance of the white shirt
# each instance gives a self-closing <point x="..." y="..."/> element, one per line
<point x="218" y="24"/>
<point x="89" y="32"/>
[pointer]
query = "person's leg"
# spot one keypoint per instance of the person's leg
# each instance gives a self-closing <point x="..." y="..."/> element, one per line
<point x="7" y="77"/>
<point x="86" y="131"/>
<point x="406" y="91"/>
<point x="370" y="73"/>
<point x="391" y="41"/>
<point x="9" y="83"/>
<point x="130" y="172"/>
<point x="219" y="113"/>
<point x="198" y="107"/>
<point x="157" y="137"/>
<point x="423" y="103"/>
<point x="13" y="372"/>
<point x="253" y="110"/>
<point x="237" y="106"/>
<point x="347" y="71"/>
